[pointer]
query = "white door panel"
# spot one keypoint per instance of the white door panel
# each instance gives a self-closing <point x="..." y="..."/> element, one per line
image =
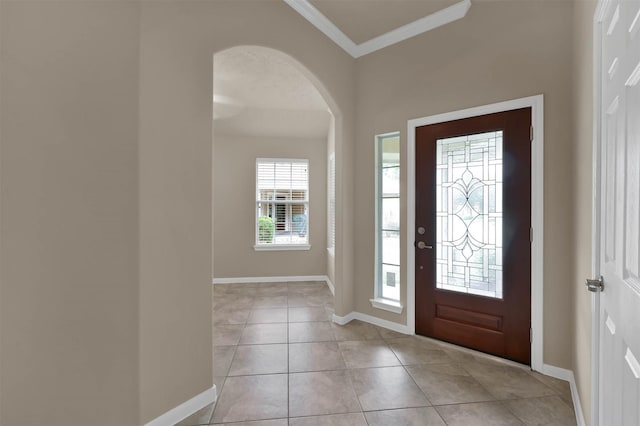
<point x="619" y="361"/>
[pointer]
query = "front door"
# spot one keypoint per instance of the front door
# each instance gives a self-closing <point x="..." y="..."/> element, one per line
<point x="619" y="216"/>
<point x="473" y="223"/>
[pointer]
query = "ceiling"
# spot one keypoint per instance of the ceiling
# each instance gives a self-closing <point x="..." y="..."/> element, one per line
<point x="258" y="92"/>
<point x="362" y="20"/>
<point x="361" y="27"/>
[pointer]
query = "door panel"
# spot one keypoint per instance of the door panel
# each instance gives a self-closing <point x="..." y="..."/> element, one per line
<point x="473" y="198"/>
<point x="619" y="214"/>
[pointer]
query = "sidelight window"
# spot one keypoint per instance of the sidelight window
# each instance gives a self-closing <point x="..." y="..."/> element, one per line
<point x="387" y="290"/>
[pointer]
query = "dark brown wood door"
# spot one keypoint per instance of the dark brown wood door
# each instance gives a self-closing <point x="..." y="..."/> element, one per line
<point x="473" y="221"/>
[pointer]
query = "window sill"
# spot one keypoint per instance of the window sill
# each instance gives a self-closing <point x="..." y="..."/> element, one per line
<point x="387" y="305"/>
<point x="281" y="247"/>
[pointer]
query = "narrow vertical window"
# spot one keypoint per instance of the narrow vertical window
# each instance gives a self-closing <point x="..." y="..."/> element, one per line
<point x="282" y="204"/>
<point x="387" y="292"/>
<point x="331" y="197"/>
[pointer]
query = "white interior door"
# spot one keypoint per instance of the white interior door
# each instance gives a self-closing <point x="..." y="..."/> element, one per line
<point x="619" y="215"/>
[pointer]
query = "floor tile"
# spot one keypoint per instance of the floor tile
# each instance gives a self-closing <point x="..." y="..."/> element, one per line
<point x="387" y="334"/>
<point x="460" y="356"/>
<point x="425" y="416"/>
<point x="386" y="388"/>
<point x="227" y="335"/>
<point x="252" y="398"/>
<point x="200" y="417"/>
<point x="277" y="354"/>
<point x="296" y="300"/>
<point x="264" y="316"/>
<point x="350" y="419"/>
<point x="259" y="359"/>
<point x="224" y="289"/>
<point x="367" y="353"/>
<point x="310" y="332"/>
<point x="412" y="351"/>
<point x="307" y="314"/>
<point x="263" y="302"/>
<point x="271" y="289"/>
<point x="239" y="301"/>
<point x="355" y="330"/>
<point x="274" y="422"/>
<point x="549" y="410"/>
<point x="230" y="315"/>
<point x="478" y="414"/>
<point x="507" y="382"/>
<point x="255" y="334"/>
<point x="316" y="356"/>
<point x="561" y="387"/>
<point x="222" y="356"/>
<point x="448" y="384"/>
<point x="327" y="392"/>
<point x="309" y="288"/>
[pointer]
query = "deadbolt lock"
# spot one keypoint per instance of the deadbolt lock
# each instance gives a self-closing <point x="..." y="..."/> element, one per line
<point x="595" y="286"/>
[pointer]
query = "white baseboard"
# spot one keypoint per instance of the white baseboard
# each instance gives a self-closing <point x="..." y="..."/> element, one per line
<point x="330" y="285"/>
<point x="564" y="374"/>
<point x="400" y="328"/>
<point x="247" y="280"/>
<point x="185" y="409"/>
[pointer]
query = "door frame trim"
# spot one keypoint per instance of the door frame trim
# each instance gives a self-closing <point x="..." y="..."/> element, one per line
<point x="598" y="17"/>
<point x="537" y="214"/>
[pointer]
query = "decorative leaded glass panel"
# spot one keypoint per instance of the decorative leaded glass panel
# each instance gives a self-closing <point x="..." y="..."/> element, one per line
<point x="469" y="214"/>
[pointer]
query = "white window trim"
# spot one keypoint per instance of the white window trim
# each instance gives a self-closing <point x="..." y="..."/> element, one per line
<point x="378" y="301"/>
<point x="537" y="213"/>
<point x="287" y="246"/>
<point x="281" y="247"/>
<point x="387" y="305"/>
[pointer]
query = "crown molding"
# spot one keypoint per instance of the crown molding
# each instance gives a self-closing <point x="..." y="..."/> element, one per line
<point x="321" y="22"/>
<point x="422" y="25"/>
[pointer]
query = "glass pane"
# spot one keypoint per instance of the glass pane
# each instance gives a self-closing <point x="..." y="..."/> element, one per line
<point x="291" y="224"/>
<point x="391" y="213"/>
<point x="266" y="224"/>
<point x="390" y="282"/>
<point x="391" y="181"/>
<point x="391" y="151"/>
<point x="391" y="247"/>
<point x="469" y="214"/>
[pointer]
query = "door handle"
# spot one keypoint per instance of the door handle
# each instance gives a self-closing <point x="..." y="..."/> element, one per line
<point x="421" y="245"/>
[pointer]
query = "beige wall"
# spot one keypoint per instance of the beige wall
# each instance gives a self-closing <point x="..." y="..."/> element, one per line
<point x="499" y="51"/>
<point x="235" y="207"/>
<point x="582" y="189"/>
<point x="105" y="181"/>
<point x="106" y="197"/>
<point x="69" y="173"/>
<point x="178" y="41"/>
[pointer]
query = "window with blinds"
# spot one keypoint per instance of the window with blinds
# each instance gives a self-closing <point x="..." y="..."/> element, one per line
<point x="282" y="202"/>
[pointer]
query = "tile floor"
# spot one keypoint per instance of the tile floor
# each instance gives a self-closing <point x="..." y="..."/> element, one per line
<point x="279" y="360"/>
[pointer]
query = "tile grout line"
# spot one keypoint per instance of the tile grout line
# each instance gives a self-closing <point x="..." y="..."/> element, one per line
<point x="288" y="360"/>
